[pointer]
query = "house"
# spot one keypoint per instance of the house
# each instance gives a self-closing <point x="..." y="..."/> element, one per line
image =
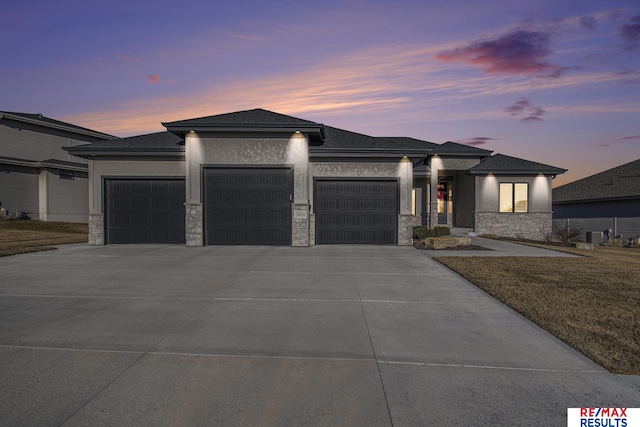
<point x="36" y="175"/>
<point x="260" y="177"/>
<point x="606" y="200"/>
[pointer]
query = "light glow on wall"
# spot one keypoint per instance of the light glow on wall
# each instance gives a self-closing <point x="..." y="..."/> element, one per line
<point x="540" y="197"/>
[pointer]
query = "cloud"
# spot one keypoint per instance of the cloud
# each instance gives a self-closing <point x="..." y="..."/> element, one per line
<point x="153" y="79"/>
<point x="478" y="140"/>
<point x="516" y="53"/>
<point x="629" y="138"/>
<point x="588" y="22"/>
<point x="630" y="32"/>
<point x="524" y="107"/>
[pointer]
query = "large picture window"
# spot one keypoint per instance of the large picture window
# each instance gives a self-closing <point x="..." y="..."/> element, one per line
<point x="514" y="197"/>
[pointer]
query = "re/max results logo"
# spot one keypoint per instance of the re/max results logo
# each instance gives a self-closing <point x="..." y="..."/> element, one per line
<point x="603" y="417"/>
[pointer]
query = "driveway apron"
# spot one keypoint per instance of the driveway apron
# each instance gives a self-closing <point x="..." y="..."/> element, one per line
<point x="273" y="336"/>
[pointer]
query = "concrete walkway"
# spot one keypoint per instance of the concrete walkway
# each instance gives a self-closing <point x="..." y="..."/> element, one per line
<point x="499" y="248"/>
<point x="275" y="336"/>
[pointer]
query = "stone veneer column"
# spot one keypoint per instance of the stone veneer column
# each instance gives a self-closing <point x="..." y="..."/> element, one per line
<point x="405" y="230"/>
<point x="96" y="229"/>
<point x="194" y="224"/>
<point x="300" y="224"/>
<point x="312" y="229"/>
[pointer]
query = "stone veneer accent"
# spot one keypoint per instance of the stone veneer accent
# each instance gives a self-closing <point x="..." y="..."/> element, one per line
<point x="300" y="224"/>
<point x="312" y="229"/>
<point x="531" y="225"/>
<point x="405" y="230"/>
<point x="194" y="225"/>
<point x="96" y="229"/>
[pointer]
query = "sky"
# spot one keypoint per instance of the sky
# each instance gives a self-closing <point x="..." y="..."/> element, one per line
<point x="556" y="82"/>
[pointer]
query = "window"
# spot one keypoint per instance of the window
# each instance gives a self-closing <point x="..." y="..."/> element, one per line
<point x="514" y="197"/>
<point x="67" y="175"/>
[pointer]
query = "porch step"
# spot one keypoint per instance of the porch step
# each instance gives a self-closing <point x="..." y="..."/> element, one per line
<point x="460" y="231"/>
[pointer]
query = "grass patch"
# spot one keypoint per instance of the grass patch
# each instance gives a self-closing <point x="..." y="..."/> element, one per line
<point x="591" y="303"/>
<point x="19" y="237"/>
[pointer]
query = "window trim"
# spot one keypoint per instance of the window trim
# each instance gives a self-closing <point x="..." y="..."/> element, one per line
<point x="513" y="197"/>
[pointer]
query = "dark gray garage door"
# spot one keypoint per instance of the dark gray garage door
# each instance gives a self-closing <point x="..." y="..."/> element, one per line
<point x="145" y="210"/>
<point x="356" y="211"/>
<point x="248" y="206"/>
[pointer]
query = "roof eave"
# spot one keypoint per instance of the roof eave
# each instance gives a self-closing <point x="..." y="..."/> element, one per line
<point x="86" y="132"/>
<point x="316" y="131"/>
<point x="518" y="172"/>
<point x="370" y="152"/>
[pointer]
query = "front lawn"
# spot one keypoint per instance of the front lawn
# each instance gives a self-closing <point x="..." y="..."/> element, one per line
<point x="18" y="237"/>
<point x="591" y="303"/>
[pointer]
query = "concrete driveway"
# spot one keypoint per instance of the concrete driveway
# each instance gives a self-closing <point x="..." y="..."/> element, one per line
<point x="275" y="336"/>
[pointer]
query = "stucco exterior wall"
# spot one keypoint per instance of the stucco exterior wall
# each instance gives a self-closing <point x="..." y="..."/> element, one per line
<point x="488" y="192"/>
<point x="287" y="150"/>
<point x="529" y="225"/>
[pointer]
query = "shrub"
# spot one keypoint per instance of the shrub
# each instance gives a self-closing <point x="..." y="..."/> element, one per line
<point x="568" y="233"/>
<point x="423" y="232"/>
<point x="441" y="231"/>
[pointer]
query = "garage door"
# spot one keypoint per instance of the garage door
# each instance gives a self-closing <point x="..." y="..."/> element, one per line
<point x="145" y="210"/>
<point x="248" y="206"/>
<point x="356" y="211"/>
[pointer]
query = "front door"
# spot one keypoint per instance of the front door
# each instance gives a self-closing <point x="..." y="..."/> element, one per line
<point x="445" y="203"/>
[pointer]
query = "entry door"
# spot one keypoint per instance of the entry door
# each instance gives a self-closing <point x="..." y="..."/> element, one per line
<point x="248" y="206"/>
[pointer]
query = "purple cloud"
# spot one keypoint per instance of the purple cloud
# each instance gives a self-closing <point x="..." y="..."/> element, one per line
<point x="525" y="107"/>
<point x="588" y="22"/>
<point x="629" y="138"/>
<point x="478" y="140"/>
<point x="630" y="32"/>
<point x="519" y="52"/>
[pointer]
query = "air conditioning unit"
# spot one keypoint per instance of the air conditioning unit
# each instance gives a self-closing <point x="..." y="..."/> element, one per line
<point x="594" y="237"/>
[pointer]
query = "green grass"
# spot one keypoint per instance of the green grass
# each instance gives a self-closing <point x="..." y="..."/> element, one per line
<point x="592" y="303"/>
<point x="18" y="237"/>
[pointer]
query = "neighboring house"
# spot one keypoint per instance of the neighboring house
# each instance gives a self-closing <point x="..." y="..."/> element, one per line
<point x="36" y="175"/>
<point x="607" y="200"/>
<point x="259" y="177"/>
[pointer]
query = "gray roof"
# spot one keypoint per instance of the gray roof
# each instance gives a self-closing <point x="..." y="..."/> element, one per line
<point x="160" y="143"/>
<point x="501" y="164"/>
<point x="41" y="120"/>
<point x="620" y="182"/>
<point x="252" y="117"/>
<point x="257" y="120"/>
<point x="454" y="148"/>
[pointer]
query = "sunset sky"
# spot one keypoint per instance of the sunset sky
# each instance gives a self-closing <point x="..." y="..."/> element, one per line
<point x="556" y="82"/>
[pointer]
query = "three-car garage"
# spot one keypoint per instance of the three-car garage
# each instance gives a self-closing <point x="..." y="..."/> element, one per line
<point x="250" y="206"/>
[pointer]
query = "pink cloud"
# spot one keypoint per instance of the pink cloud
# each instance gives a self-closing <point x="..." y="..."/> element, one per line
<point x="519" y="52"/>
<point x="153" y="79"/>
<point x="171" y="82"/>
